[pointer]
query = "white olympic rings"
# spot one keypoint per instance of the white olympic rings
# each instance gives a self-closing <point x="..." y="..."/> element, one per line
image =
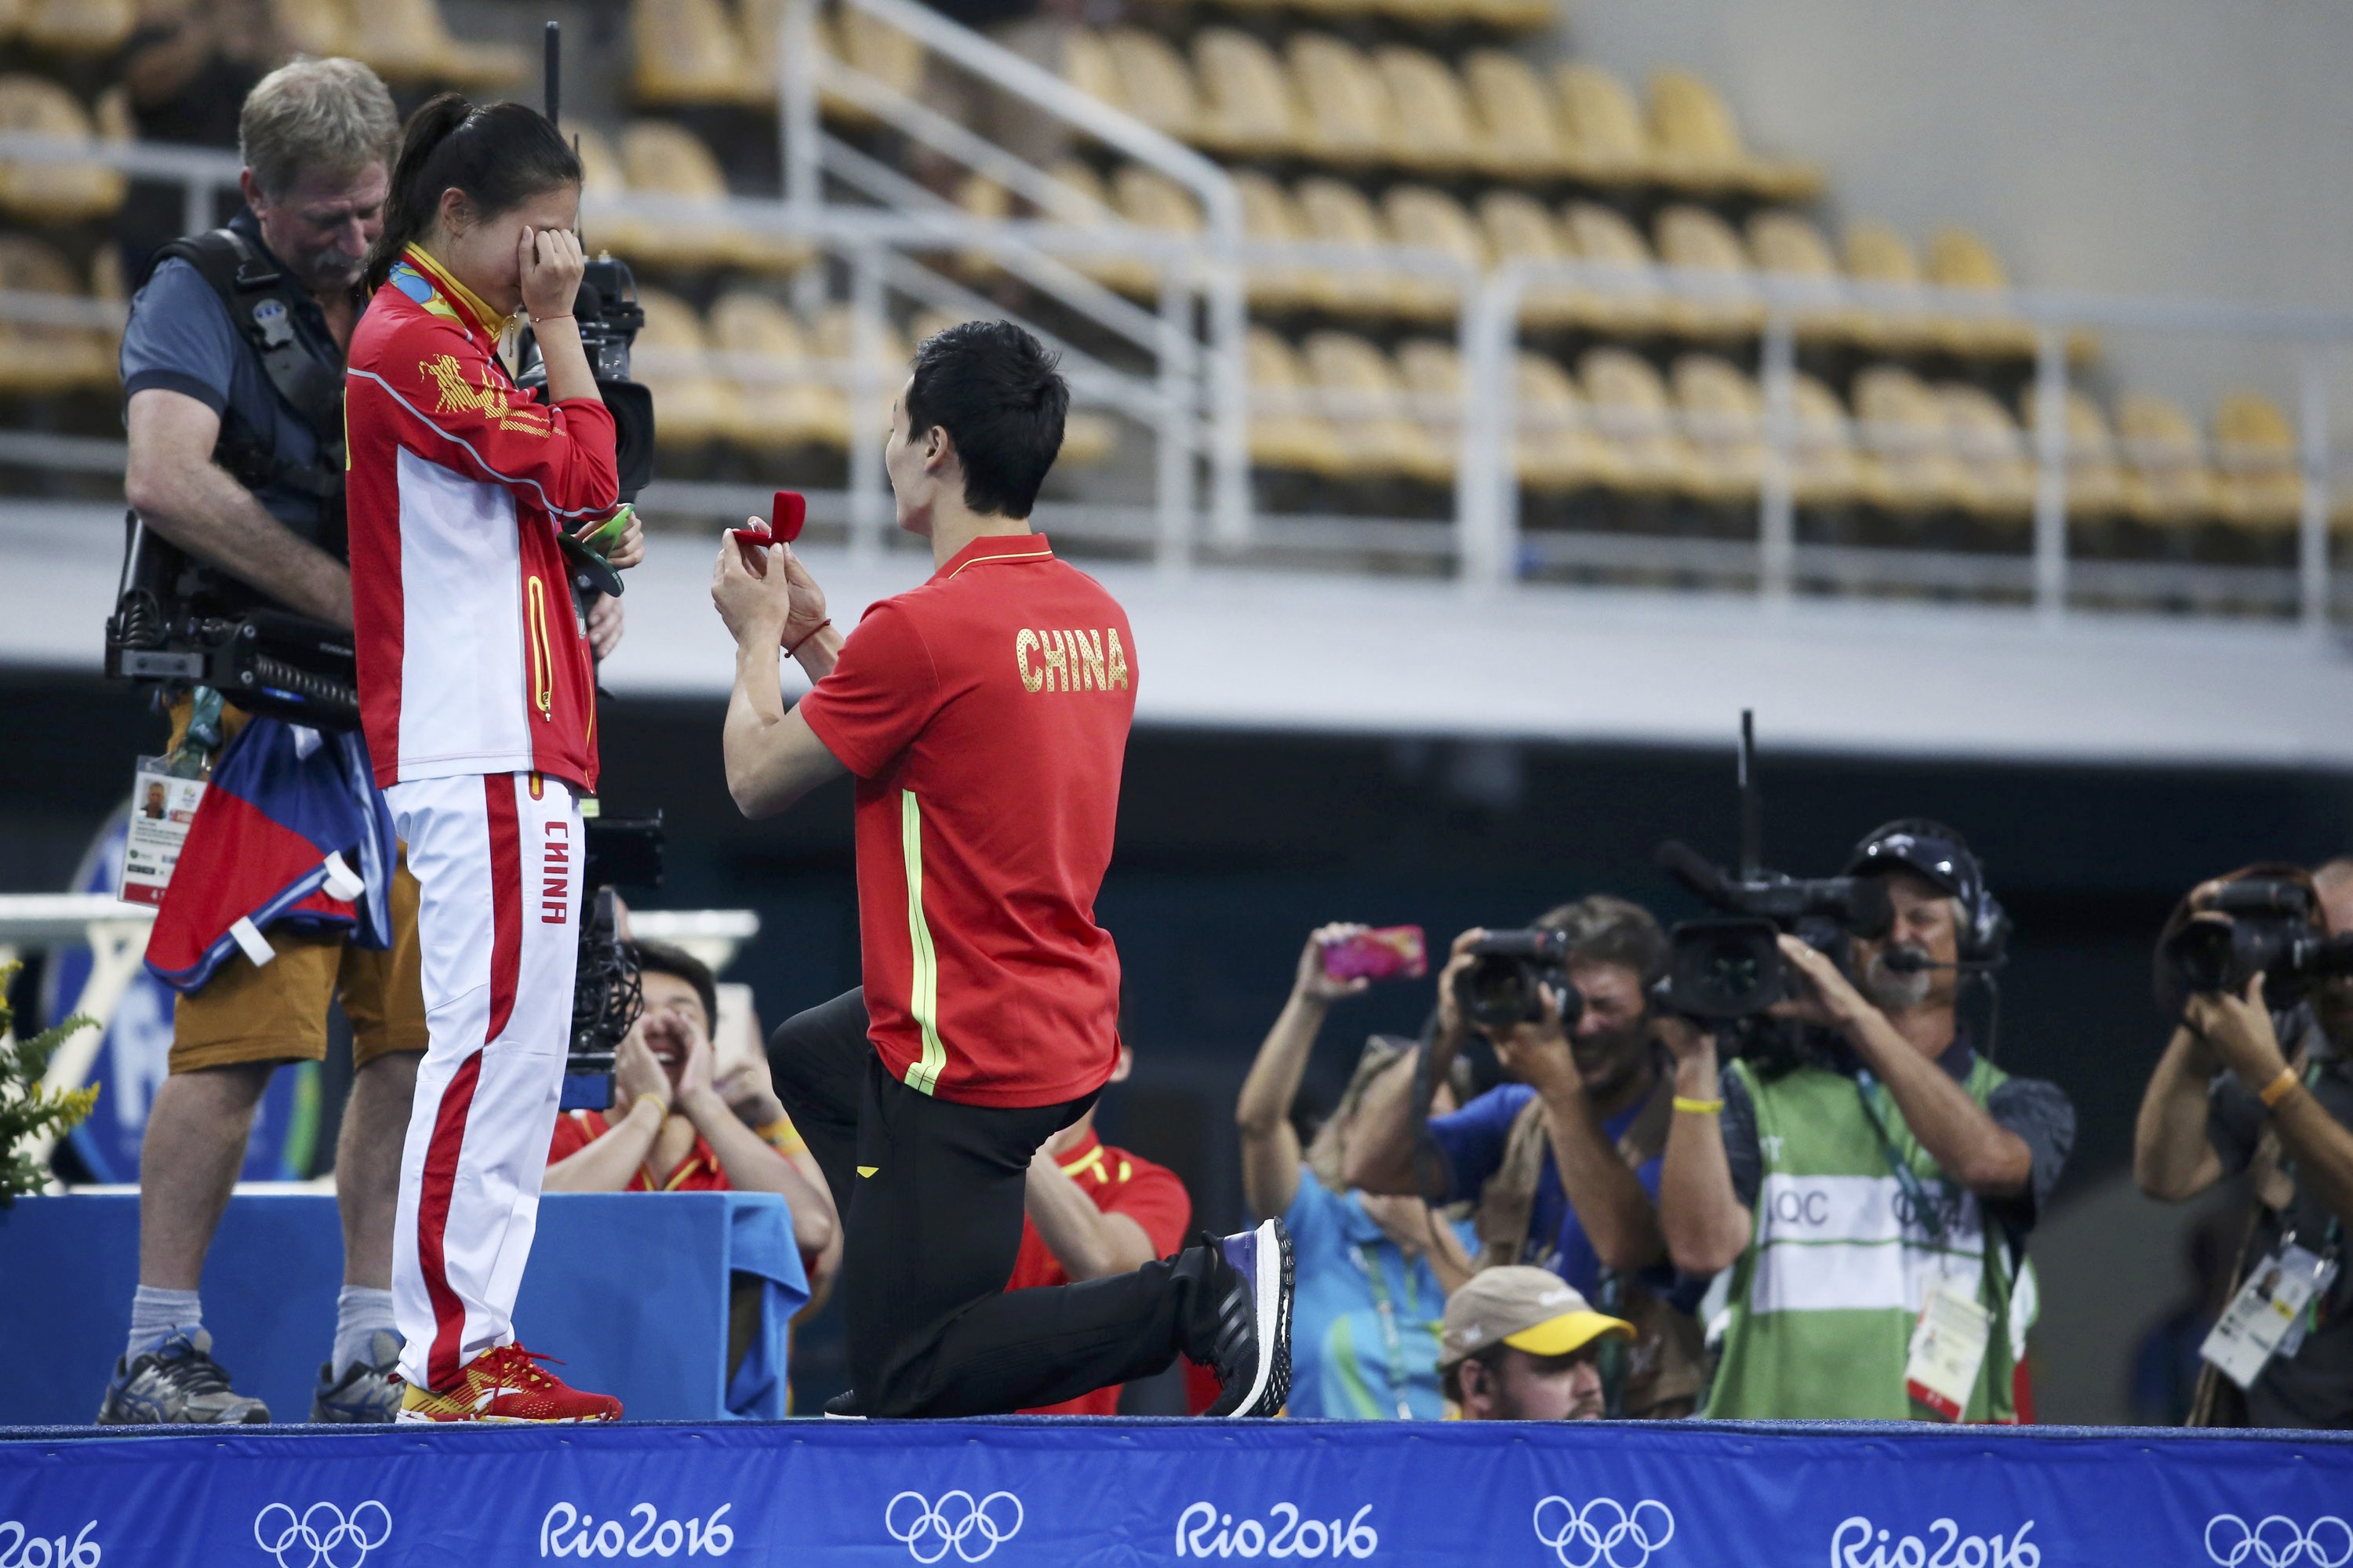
<point x="2276" y="1541"/>
<point x="322" y="1529"/>
<point x="1600" y="1529"/>
<point x="956" y="1519"/>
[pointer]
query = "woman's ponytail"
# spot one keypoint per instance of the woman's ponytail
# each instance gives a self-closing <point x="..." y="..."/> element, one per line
<point x="500" y="156"/>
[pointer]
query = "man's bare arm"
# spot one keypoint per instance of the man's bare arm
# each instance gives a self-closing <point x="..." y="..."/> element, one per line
<point x="1088" y="1243"/>
<point x="174" y="484"/>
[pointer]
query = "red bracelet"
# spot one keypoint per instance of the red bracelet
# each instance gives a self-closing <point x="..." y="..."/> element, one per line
<point x="540" y="321"/>
<point x="792" y="648"/>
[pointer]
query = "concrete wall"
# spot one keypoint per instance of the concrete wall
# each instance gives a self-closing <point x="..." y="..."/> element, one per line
<point x="2172" y="147"/>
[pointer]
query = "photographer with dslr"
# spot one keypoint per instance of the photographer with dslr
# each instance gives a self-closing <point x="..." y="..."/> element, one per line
<point x="1881" y="1184"/>
<point x="1564" y="1160"/>
<point x="2259" y="1077"/>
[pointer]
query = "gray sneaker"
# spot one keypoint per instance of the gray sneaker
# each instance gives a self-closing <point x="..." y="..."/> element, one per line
<point x="176" y="1380"/>
<point x="368" y="1392"/>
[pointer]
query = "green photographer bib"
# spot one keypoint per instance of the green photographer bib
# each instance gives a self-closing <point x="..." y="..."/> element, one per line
<point x="1824" y="1300"/>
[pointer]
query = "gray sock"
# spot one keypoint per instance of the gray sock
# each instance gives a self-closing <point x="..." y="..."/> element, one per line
<point x="154" y="1314"/>
<point x="361" y="1313"/>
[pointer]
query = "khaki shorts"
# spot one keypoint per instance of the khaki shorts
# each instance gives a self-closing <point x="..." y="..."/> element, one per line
<point x="277" y="1012"/>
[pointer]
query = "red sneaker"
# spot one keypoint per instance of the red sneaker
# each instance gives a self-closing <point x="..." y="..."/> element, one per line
<point x="506" y="1383"/>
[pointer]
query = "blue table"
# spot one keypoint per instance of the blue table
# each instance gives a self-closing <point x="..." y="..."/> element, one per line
<point x="631" y="1290"/>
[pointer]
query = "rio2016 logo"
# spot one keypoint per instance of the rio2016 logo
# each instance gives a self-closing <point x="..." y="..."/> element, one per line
<point x="1203" y="1532"/>
<point x="568" y="1533"/>
<point x="1857" y="1544"/>
<point x="20" y="1548"/>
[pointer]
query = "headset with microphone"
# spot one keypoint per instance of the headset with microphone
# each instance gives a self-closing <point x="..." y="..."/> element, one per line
<point x="1940" y="856"/>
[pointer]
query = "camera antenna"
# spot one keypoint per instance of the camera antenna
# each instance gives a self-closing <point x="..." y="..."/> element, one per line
<point x="555" y="65"/>
<point x="1752" y="807"/>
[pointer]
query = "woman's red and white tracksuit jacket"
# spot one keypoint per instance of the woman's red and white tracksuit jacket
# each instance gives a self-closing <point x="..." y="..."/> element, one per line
<point x="479" y="700"/>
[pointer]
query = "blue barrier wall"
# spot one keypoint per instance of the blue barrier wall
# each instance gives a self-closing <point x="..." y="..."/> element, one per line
<point x="1129" y="1492"/>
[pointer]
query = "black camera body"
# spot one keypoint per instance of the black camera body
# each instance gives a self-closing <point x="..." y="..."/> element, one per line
<point x="608" y="992"/>
<point x="2257" y="925"/>
<point x="1500" y="990"/>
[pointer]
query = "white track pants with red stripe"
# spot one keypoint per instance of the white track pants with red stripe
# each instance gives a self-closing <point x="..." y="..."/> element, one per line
<point x="497" y="858"/>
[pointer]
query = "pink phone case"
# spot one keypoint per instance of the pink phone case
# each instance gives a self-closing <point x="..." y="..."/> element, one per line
<point x="1389" y="952"/>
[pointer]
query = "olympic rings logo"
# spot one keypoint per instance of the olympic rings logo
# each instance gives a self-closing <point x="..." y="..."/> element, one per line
<point x="332" y="1540"/>
<point x="928" y="1531"/>
<point x="1605" y="1533"/>
<point x="2277" y="1543"/>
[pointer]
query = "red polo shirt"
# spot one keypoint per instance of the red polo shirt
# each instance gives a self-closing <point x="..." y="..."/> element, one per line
<point x="700" y="1172"/>
<point x="1120" y="1183"/>
<point x="986" y="715"/>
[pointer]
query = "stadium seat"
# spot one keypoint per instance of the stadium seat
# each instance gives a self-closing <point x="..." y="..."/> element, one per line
<point x="1337" y="214"/>
<point x="1632" y="412"/>
<point x="1512" y="16"/>
<point x="835" y="339"/>
<point x="1607" y="142"/>
<point x="1997" y="474"/>
<point x="37" y="357"/>
<point x="91" y="28"/>
<point x="1603" y="238"/>
<point x="672" y="358"/>
<point x="602" y="180"/>
<point x="1694" y="240"/>
<point x="1150" y="200"/>
<point x="1961" y="262"/>
<point x="406" y="41"/>
<point x="2260" y="479"/>
<point x="874" y="48"/>
<point x="1429" y="119"/>
<point x="1248" y="106"/>
<point x="689" y="51"/>
<point x="2096" y="479"/>
<point x="1366" y="404"/>
<point x="1270" y="217"/>
<point x="1698" y="144"/>
<point x="1431" y="371"/>
<point x="1825" y="468"/>
<point x="1518" y="228"/>
<point x="771" y="405"/>
<point x="1087" y="65"/>
<point x="1517" y="134"/>
<point x="52" y="193"/>
<point x="1876" y="254"/>
<point x="1903" y="429"/>
<point x="312" y="26"/>
<point x="1348" y="117"/>
<point x="1793" y="250"/>
<point x="1127" y="274"/>
<point x="1154" y="83"/>
<point x="669" y="162"/>
<point x="1429" y="219"/>
<point x="1558" y="450"/>
<point x="1285" y="432"/>
<point x="2168" y="481"/>
<point x="1724" y="420"/>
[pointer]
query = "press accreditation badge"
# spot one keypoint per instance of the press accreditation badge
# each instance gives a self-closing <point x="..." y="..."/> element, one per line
<point x="2267" y="1315"/>
<point x="1948" y="1349"/>
<point x="162" y="807"/>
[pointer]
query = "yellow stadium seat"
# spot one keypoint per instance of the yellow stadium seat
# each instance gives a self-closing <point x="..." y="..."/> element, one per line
<point x="689" y="51"/>
<point x="52" y="193"/>
<point x="1998" y="475"/>
<point x="1630" y="410"/>
<point x="1429" y="220"/>
<point x="603" y="180"/>
<point x="1961" y="262"/>
<point x="1558" y="449"/>
<point x="1127" y="274"/>
<point x="1285" y="432"/>
<point x="87" y="27"/>
<point x="1270" y="217"/>
<point x="1697" y="144"/>
<point x="775" y="403"/>
<point x="2168" y="481"/>
<point x="37" y="357"/>
<point x="1514" y="15"/>
<point x="2255" y="460"/>
<point x="1903" y="429"/>
<point x="1518" y="228"/>
<point x="874" y="48"/>
<point x="1088" y="66"/>
<point x="1432" y="373"/>
<point x="1792" y="249"/>
<point x="672" y="358"/>
<point x="312" y="26"/>
<point x="1337" y="214"/>
<point x="1696" y="240"/>
<point x="406" y="41"/>
<point x="834" y="338"/>
<point x="1150" y="200"/>
<point x="668" y="161"/>
<point x="1607" y="140"/>
<point x="1517" y="132"/>
<point x="1347" y="116"/>
<point x="1825" y="470"/>
<point x="1250" y="108"/>
<point x="1430" y="121"/>
<point x="1366" y="404"/>
<point x="1604" y="238"/>
<point x="1724" y="420"/>
<point x="1154" y="85"/>
<point x="1877" y="255"/>
<point x="2096" y="479"/>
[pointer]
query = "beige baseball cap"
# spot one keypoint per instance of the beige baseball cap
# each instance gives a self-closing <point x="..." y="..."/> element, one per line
<point x="1527" y="1308"/>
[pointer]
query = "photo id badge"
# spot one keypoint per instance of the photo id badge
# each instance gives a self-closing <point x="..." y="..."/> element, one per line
<point x="1948" y="1348"/>
<point x="2266" y="1311"/>
<point x="162" y="807"/>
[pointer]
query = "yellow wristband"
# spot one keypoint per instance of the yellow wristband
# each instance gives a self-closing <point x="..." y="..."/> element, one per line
<point x="1698" y="1108"/>
<point x="781" y="1134"/>
<point x="2279" y="1088"/>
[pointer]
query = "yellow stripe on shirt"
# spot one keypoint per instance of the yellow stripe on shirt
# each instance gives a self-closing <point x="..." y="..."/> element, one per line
<point x="924" y="991"/>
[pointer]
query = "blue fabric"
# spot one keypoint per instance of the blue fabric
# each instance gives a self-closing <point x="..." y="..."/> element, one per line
<point x="1111" y="1493"/>
<point x="1340" y="1358"/>
<point x="1474" y="1141"/>
<point x="179" y="338"/>
<point x="760" y="1244"/>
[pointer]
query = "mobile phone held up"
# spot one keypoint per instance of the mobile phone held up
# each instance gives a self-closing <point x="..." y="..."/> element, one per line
<point x="1386" y="952"/>
<point x="785" y="516"/>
